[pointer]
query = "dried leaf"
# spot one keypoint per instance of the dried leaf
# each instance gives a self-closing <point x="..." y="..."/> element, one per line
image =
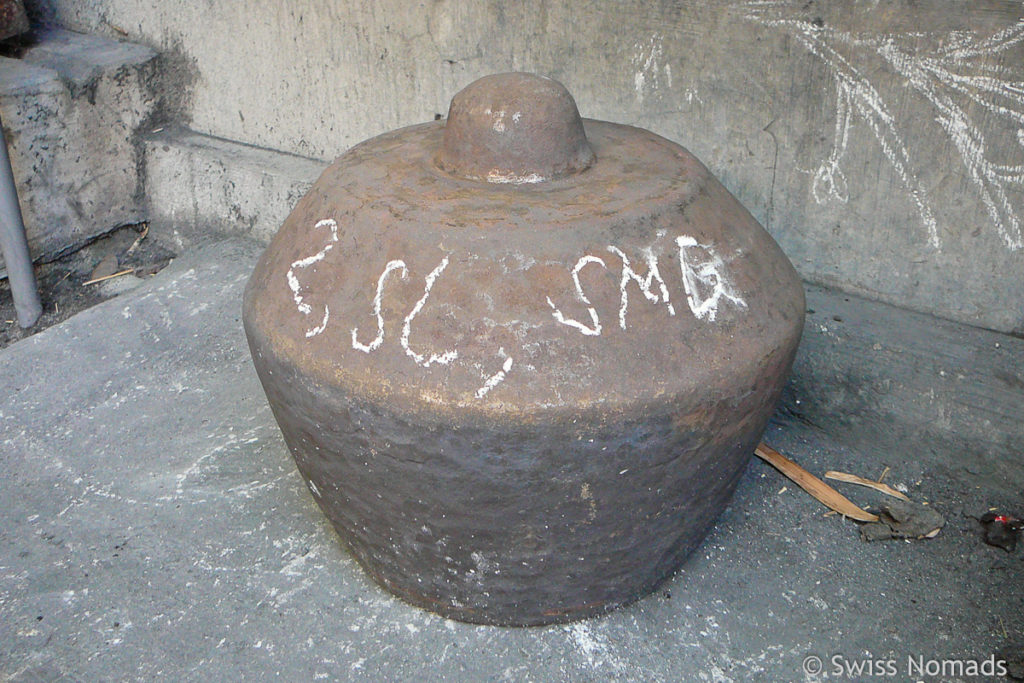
<point x="814" y="486"/>
<point x="106" y="266"/>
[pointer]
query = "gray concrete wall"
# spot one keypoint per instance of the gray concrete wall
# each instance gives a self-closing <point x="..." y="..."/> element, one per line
<point x="881" y="143"/>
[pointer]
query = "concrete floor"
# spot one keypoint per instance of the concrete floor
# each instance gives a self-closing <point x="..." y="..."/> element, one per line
<point x="154" y="527"/>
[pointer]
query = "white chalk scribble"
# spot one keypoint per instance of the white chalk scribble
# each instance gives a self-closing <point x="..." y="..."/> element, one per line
<point x="375" y="343"/>
<point x="293" y="280"/>
<point x="497" y="378"/>
<point x="957" y="73"/>
<point x="628" y="274"/>
<point x="704" y="279"/>
<point x="442" y="358"/>
<point x="595" y="322"/>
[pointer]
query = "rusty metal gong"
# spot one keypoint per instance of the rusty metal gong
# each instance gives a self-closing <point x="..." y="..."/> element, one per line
<point x="521" y="358"/>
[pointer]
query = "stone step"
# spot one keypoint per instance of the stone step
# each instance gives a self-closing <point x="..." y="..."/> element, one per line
<point x="72" y="108"/>
<point x="887" y="379"/>
<point x="197" y="184"/>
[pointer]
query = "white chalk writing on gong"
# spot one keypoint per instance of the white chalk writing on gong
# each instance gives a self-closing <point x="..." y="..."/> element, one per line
<point x="703" y="278"/>
<point x="704" y="282"/>
<point x="379" y="339"/>
<point x="595" y="330"/>
<point x="293" y="280"/>
<point x="645" y="283"/>
<point x="708" y="273"/>
<point x="497" y="378"/>
<point x="447" y="356"/>
<point x="419" y="359"/>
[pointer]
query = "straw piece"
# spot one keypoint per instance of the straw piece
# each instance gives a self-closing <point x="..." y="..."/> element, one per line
<point x="108" y="277"/>
<point x="861" y="481"/>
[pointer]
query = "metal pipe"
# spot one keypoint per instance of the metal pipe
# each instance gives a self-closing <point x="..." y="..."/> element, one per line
<point x="14" y="245"/>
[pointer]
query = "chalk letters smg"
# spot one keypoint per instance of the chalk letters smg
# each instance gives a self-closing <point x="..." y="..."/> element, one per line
<point x="703" y="274"/>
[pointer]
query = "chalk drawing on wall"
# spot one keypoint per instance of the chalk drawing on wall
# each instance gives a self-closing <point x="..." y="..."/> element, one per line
<point x="957" y="75"/>
<point x="652" y="72"/>
<point x="648" y="66"/>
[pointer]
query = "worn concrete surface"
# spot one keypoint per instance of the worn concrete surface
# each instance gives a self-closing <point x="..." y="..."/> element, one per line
<point x="879" y="143"/>
<point x="71" y="107"/>
<point x="154" y="528"/>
